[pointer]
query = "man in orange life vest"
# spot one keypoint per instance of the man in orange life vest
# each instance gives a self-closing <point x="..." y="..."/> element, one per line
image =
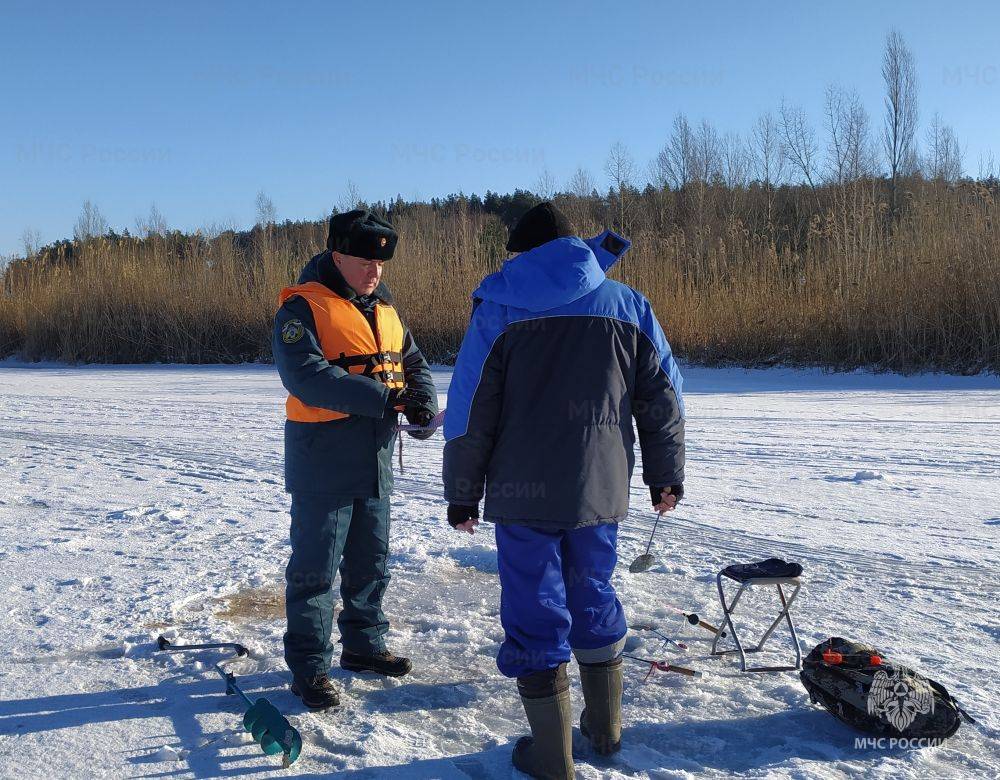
<point x="350" y="366"/>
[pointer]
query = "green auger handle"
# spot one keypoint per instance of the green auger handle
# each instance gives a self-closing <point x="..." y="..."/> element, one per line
<point x="272" y="731"/>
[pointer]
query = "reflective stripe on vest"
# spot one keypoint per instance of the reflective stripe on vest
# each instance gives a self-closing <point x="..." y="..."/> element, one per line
<point x="347" y="341"/>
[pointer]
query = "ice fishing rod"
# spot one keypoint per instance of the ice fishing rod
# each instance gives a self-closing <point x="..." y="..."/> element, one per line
<point x="662" y="666"/>
<point x="694" y="620"/>
<point x="269" y="728"/>
<point x="653" y="629"/>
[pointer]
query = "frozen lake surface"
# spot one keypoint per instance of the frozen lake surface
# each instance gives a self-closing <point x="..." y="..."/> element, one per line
<point x="141" y="500"/>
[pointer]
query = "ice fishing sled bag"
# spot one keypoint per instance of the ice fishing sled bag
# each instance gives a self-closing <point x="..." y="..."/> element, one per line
<point x="859" y="686"/>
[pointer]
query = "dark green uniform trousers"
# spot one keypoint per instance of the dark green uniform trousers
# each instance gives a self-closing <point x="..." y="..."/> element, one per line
<point x="331" y="533"/>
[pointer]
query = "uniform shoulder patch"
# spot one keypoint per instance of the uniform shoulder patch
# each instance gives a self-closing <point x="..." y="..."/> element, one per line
<point x="292" y="331"/>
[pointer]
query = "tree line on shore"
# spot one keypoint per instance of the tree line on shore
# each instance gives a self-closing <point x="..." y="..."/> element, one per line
<point x="835" y="248"/>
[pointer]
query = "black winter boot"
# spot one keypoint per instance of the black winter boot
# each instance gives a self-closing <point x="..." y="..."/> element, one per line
<point x="317" y="693"/>
<point x="381" y="663"/>
<point x="548" y="752"/>
<point x="601" y="720"/>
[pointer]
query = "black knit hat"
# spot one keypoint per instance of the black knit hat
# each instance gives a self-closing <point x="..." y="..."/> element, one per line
<point x="361" y="234"/>
<point x="539" y="225"/>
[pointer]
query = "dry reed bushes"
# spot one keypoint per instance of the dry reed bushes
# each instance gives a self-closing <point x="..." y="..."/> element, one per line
<point x="133" y="303"/>
<point x="921" y="293"/>
<point x="837" y="282"/>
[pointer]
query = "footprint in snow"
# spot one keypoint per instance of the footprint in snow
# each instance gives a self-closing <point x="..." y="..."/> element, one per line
<point x="175" y="516"/>
<point x="75" y="583"/>
<point x="167" y="753"/>
<point x="865" y="475"/>
<point x="480" y="558"/>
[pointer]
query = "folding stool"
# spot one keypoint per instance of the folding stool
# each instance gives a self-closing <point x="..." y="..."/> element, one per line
<point x="773" y="571"/>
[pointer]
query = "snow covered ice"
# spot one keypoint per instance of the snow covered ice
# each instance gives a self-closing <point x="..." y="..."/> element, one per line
<point x="137" y="501"/>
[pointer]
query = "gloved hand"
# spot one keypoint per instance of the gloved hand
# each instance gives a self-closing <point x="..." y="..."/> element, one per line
<point x="462" y="517"/>
<point x="421" y="416"/>
<point x="416" y="406"/>
<point x="665" y="503"/>
<point x="408" y="400"/>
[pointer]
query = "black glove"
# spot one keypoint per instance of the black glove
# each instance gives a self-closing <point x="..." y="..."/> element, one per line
<point x="460" y="513"/>
<point x="417" y="408"/>
<point x="410" y="398"/>
<point x="421" y="416"/>
<point x="656" y="493"/>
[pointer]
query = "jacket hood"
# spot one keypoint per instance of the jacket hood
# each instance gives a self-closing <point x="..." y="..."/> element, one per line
<point x="553" y="274"/>
<point x="321" y="269"/>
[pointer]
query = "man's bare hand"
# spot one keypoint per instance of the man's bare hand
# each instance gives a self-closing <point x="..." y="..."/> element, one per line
<point x="463" y="518"/>
<point x="668" y="498"/>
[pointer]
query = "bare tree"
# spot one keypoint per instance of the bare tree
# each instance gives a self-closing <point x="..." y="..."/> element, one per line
<point x="90" y="224"/>
<point x="767" y="161"/>
<point x="620" y="168"/>
<point x="580" y="206"/>
<point x="228" y="225"/>
<point x="581" y="183"/>
<point x="31" y="239"/>
<point x="836" y="118"/>
<point x="798" y="142"/>
<point x="266" y="213"/>
<point x="545" y="186"/>
<point x="987" y="165"/>
<point x="765" y="147"/>
<point x="153" y="225"/>
<point x="899" y="74"/>
<point x="735" y="162"/>
<point x="849" y="153"/>
<point x="674" y="165"/>
<point x="708" y="153"/>
<point x="943" y="161"/>
<point x="351" y="198"/>
<point x="860" y="151"/>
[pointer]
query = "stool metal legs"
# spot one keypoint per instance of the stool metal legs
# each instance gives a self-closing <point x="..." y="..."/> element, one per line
<point x="786" y="614"/>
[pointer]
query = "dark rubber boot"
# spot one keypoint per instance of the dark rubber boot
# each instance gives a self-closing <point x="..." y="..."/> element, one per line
<point x="548" y="752"/>
<point x="381" y="663"/>
<point x="317" y="693"/>
<point x="601" y="720"/>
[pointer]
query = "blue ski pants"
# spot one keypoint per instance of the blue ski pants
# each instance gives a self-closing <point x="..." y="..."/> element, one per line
<point x="328" y="534"/>
<point x="557" y="598"/>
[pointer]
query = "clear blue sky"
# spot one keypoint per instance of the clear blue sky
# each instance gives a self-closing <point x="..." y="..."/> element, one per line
<point x="198" y="106"/>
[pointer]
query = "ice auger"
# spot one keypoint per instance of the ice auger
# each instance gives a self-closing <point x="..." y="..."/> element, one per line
<point x="269" y="728"/>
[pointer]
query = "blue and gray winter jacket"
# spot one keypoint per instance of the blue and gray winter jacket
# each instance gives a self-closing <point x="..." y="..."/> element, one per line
<point x="555" y="364"/>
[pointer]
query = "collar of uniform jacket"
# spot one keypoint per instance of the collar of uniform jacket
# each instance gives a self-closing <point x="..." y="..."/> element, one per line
<point x="322" y="269"/>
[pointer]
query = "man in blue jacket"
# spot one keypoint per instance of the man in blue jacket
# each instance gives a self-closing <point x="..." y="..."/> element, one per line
<point x="350" y="366"/>
<point x="555" y="364"/>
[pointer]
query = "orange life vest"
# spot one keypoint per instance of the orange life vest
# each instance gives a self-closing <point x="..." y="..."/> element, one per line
<point x="347" y="341"/>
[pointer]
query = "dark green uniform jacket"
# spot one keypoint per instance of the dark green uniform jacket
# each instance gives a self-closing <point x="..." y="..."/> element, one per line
<point x="350" y="457"/>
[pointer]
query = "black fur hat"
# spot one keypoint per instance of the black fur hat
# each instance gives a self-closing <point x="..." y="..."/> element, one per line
<point x="539" y="225"/>
<point x="361" y="234"/>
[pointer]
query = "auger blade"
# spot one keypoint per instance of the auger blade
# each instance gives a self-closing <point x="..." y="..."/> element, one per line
<point x="272" y="731"/>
